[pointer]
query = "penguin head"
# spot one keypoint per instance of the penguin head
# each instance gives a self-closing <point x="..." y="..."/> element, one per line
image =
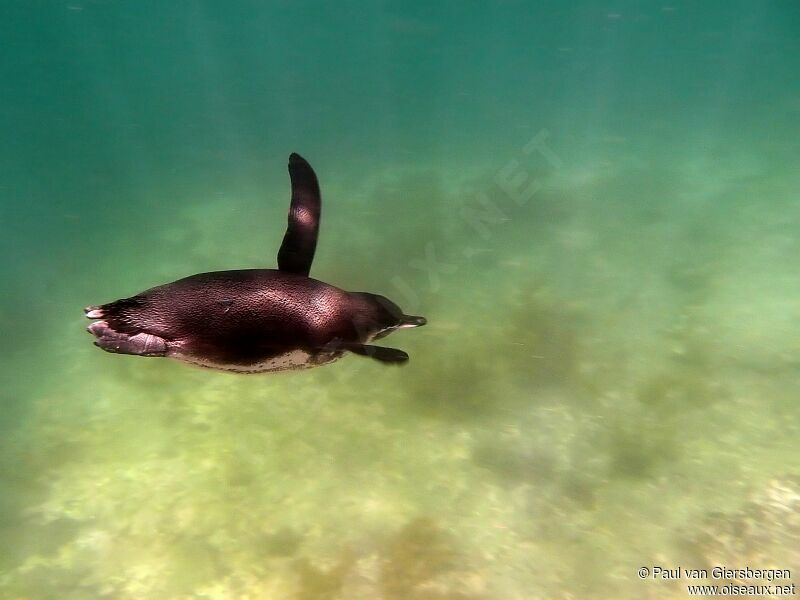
<point x="379" y="317"/>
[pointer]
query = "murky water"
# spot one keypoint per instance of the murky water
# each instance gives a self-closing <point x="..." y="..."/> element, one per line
<point x="595" y="205"/>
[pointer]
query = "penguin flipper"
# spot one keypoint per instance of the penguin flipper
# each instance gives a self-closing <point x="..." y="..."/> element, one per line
<point x="381" y="353"/>
<point x="300" y="242"/>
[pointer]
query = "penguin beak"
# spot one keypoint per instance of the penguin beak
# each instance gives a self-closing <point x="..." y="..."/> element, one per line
<point x="411" y="321"/>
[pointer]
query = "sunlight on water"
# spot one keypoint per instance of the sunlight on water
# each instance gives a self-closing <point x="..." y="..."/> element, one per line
<point x="595" y="207"/>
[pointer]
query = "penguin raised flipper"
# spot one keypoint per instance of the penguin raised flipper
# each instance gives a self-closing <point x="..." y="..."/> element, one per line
<point x="300" y="242"/>
<point x="256" y="320"/>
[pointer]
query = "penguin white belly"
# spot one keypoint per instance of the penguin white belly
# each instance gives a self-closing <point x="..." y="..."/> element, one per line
<point x="291" y="360"/>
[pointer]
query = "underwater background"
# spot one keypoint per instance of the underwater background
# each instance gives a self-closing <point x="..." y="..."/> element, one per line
<point x="595" y="204"/>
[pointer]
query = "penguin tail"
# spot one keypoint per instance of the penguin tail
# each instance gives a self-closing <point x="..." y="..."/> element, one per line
<point x="114" y="329"/>
<point x="119" y="315"/>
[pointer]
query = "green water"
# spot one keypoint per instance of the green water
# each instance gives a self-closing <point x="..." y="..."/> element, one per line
<point x="595" y="204"/>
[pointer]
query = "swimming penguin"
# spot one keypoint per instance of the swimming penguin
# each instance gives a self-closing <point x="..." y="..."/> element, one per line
<point x="256" y="320"/>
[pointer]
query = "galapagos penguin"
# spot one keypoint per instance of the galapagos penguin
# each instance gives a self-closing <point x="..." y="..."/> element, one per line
<point x="256" y="320"/>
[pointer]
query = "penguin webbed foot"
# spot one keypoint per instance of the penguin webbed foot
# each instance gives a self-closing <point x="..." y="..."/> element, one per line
<point x="140" y="344"/>
<point x="391" y="356"/>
